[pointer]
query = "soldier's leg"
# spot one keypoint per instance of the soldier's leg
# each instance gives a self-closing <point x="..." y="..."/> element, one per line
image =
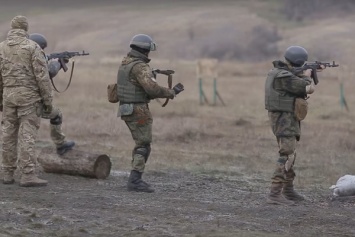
<point x="287" y="146"/>
<point x="142" y="135"/>
<point x="10" y="126"/>
<point x="56" y="132"/>
<point x="29" y="125"/>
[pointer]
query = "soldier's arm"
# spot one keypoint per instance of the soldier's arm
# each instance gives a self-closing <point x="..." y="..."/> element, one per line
<point x="53" y="68"/>
<point x="144" y="77"/>
<point x="40" y="70"/>
<point x="286" y="81"/>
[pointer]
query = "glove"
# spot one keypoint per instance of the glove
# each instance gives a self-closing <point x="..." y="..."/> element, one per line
<point x="47" y="109"/>
<point x="178" y="88"/>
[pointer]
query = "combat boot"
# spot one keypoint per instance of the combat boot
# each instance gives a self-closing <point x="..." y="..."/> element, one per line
<point x="31" y="180"/>
<point x="290" y="193"/>
<point x="135" y="183"/>
<point x="8" y="177"/>
<point x="275" y="196"/>
<point x="66" y="146"/>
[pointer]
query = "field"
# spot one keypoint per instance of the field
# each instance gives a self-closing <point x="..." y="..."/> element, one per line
<point x="210" y="165"/>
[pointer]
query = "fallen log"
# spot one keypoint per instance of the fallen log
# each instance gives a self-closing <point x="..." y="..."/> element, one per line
<point x="75" y="162"/>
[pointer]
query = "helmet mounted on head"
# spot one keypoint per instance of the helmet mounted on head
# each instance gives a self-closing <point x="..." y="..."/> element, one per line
<point x="144" y="42"/>
<point x="296" y="55"/>
<point x="39" y="39"/>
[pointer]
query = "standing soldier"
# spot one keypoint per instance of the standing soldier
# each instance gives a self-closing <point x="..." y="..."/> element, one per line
<point x="55" y="117"/>
<point x="285" y="95"/>
<point x="24" y="85"/>
<point x="136" y="87"/>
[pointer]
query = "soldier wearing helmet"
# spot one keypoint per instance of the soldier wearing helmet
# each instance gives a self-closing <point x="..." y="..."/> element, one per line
<point x="285" y="92"/>
<point x="136" y="86"/>
<point x="55" y="117"/>
<point x="24" y="86"/>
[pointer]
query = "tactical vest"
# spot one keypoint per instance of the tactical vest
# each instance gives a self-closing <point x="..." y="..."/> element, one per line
<point x="127" y="92"/>
<point x="277" y="101"/>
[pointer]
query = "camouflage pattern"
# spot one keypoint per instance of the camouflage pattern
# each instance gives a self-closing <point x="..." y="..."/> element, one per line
<point x="25" y="72"/>
<point x="140" y="121"/>
<point x="19" y="127"/>
<point x="140" y="125"/>
<point x="19" y="22"/>
<point x="142" y="76"/>
<point x="287" y="146"/>
<point x="56" y="133"/>
<point x="24" y="83"/>
<point x="284" y="125"/>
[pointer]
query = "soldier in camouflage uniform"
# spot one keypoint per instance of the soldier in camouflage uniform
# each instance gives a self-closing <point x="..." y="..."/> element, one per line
<point x="136" y="87"/>
<point x="55" y="117"/>
<point x="282" y="87"/>
<point x="24" y="84"/>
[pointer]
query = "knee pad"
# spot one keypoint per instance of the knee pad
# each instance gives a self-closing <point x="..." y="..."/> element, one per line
<point x="143" y="151"/>
<point x="57" y="120"/>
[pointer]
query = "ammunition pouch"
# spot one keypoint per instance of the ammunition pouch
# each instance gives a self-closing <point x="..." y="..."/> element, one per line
<point x="301" y="108"/>
<point x="112" y="94"/>
<point x="125" y="109"/>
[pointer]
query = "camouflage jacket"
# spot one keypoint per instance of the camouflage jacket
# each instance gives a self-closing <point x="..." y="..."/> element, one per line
<point x="284" y="124"/>
<point x="24" y="77"/>
<point x="141" y="76"/>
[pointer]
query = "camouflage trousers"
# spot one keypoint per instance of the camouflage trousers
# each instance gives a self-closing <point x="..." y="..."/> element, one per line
<point x="19" y="127"/>
<point x="287" y="147"/>
<point x="56" y="133"/>
<point x="140" y="125"/>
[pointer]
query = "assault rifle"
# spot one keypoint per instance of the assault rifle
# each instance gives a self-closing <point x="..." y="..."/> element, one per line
<point x="168" y="73"/>
<point x="314" y="66"/>
<point x="65" y="55"/>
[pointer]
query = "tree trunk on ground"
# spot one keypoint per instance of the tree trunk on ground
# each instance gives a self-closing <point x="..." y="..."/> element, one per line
<point x="75" y="162"/>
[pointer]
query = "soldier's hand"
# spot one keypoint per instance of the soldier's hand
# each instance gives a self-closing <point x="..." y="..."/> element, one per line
<point x="307" y="72"/>
<point x="322" y="67"/>
<point x="66" y="59"/>
<point x="178" y="88"/>
<point x="47" y="109"/>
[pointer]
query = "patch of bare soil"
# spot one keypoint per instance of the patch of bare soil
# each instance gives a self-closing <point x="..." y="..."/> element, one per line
<point x="184" y="204"/>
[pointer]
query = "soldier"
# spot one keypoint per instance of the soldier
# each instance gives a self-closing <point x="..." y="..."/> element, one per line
<point x="24" y="85"/>
<point x="285" y="91"/>
<point x="55" y="117"/>
<point x="136" y="87"/>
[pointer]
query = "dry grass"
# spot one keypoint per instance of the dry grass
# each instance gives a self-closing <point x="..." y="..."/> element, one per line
<point x="234" y="140"/>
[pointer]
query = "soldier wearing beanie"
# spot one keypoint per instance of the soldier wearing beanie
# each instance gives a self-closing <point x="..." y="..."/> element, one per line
<point x="24" y="86"/>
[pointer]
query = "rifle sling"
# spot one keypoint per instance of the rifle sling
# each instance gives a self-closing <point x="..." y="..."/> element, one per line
<point x="71" y="76"/>
<point x="170" y="85"/>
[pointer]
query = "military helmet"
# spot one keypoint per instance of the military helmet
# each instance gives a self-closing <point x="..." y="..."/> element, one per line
<point x="296" y="55"/>
<point x="39" y="39"/>
<point x="144" y="42"/>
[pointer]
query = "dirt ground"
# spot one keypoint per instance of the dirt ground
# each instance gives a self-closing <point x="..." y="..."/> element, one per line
<point x="184" y="204"/>
<point x="210" y="165"/>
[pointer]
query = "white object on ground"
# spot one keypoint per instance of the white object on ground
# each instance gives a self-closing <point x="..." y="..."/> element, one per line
<point x="345" y="186"/>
